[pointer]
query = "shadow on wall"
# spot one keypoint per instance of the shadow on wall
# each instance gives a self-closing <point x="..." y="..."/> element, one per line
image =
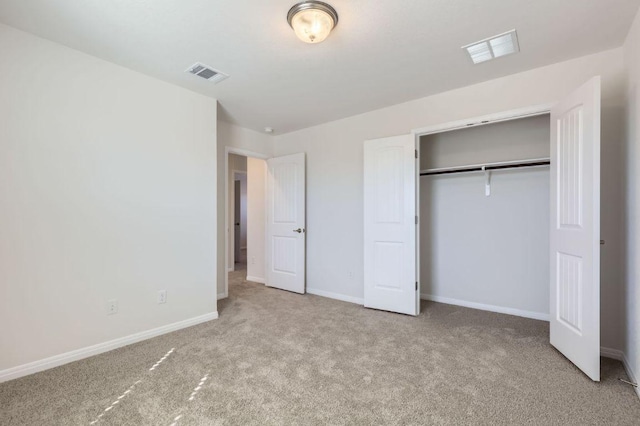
<point x="612" y="227"/>
<point x="427" y="232"/>
<point x="628" y="221"/>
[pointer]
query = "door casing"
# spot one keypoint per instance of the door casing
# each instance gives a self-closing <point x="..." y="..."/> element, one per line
<point x="238" y="151"/>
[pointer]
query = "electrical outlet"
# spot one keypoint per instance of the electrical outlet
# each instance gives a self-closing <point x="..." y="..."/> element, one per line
<point x="162" y="296"/>
<point x="112" y="306"/>
<point x="350" y="275"/>
<point x="253" y="260"/>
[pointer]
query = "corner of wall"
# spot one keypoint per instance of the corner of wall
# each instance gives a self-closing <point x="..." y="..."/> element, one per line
<point x="631" y="207"/>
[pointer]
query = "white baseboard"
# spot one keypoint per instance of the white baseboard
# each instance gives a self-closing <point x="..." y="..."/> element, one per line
<point x="256" y="279"/>
<point x="632" y="375"/>
<point x="621" y="356"/>
<point x="223" y="295"/>
<point x="67" y="357"/>
<point x="612" y="353"/>
<point x="336" y="296"/>
<point x="491" y="308"/>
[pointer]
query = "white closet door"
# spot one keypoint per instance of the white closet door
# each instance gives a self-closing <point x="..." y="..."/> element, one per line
<point x="575" y="228"/>
<point x="285" y="251"/>
<point x="390" y="174"/>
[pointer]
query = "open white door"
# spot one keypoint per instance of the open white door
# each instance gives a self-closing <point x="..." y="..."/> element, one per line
<point x="390" y="225"/>
<point x="285" y="248"/>
<point x="575" y="228"/>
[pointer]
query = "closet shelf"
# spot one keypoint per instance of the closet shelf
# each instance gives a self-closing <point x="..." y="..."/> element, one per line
<point x="535" y="162"/>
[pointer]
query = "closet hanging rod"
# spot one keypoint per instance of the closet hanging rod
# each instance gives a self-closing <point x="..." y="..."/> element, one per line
<point x="536" y="162"/>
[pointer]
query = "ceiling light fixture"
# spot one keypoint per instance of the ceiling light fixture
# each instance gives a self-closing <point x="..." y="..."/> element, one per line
<point x="312" y="21"/>
<point x="493" y="47"/>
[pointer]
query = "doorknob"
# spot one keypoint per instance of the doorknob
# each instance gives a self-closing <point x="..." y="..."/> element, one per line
<point x="299" y="230"/>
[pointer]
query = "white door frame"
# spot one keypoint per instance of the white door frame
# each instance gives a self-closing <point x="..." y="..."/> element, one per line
<point x="246" y="153"/>
<point x="483" y="120"/>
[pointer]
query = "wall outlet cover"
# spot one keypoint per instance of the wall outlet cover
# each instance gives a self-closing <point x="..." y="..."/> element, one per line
<point x="112" y="306"/>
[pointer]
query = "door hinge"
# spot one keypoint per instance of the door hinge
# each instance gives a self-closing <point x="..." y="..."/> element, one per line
<point x="416" y="285"/>
<point x="416" y="153"/>
<point x="416" y="220"/>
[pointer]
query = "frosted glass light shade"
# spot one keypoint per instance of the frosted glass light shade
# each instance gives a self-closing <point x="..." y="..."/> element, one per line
<point x="312" y="21"/>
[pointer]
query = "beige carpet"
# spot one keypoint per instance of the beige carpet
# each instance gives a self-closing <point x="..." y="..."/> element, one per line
<point x="278" y="358"/>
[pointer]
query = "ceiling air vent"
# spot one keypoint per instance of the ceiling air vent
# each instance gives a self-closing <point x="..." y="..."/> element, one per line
<point x="206" y="72"/>
<point x="493" y="47"/>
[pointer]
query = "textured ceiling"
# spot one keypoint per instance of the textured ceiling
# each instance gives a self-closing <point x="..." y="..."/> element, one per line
<point x="382" y="52"/>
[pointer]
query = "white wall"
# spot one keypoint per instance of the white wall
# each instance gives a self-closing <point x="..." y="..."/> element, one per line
<point x="491" y="251"/>
<point x="478" y="250"/>
<point x="335" y="154"/>
<point x="632" y="200"/>
<point x="256" y="218"/>
<point x="522" y="139"/>
<point x="108" y="183"/>
<point x="231" y="136"/>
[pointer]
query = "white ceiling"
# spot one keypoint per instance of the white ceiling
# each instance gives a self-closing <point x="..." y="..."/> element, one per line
<point x="382" y="52"/>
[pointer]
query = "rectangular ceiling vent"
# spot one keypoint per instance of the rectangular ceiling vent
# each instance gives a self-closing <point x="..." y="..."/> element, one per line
<point x="493" y="47"/>
<point x="206" y="72"/>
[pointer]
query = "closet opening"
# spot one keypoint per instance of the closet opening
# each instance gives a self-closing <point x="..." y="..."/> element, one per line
<point x="504" y="217"/>
<point x="484" y="203"/>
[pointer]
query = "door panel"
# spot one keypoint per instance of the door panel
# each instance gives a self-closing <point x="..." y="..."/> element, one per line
<point x="286" y="233"/>
<point x="389" y="225"/>
<point x="575" y="228"/>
